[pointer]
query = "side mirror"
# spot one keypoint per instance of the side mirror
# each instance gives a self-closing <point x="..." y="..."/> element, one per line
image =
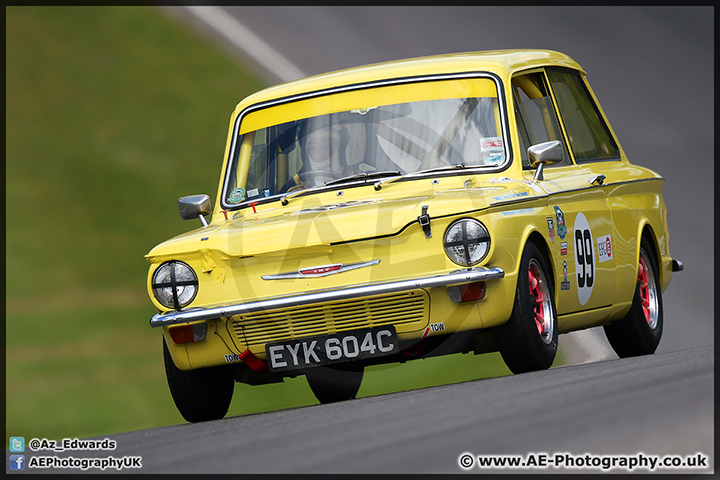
<point x="544" y="153"/>
<point x="194" y="206"/>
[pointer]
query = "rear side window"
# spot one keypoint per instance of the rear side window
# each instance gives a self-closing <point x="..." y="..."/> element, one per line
<point x="589" y="136"/>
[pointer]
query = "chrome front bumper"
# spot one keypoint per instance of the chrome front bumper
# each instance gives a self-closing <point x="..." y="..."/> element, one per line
<point x="206" y="313"/>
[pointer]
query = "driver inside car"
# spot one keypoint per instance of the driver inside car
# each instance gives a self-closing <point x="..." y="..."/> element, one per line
<point x="322" y="152"/>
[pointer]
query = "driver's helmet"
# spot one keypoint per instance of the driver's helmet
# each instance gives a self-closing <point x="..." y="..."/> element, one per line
<point x="322" y="147"/>
<point x="322" y="142"/>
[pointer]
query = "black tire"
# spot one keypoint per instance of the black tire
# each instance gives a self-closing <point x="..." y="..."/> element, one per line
<point x="202" y="394"/>
<point x="639" y="332"/>
<point x="335" y="384"/>
<point x="522" y="344"/>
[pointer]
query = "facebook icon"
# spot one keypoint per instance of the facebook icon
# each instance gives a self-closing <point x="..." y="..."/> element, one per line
<point x="17" y="462"/>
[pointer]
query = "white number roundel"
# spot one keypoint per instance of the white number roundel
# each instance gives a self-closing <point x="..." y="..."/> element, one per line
<point x="584" y="258"/>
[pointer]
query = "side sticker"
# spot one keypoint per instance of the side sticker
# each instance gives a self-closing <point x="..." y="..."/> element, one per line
<point x="509" y="196"/>
<point x="584" y="258"/>
<point x="519" y="211"/>
<point x="561" y="229"/>
<point x="604" y="249"/>
<point x="565" y="284"/>
<point x="551" y="229"/>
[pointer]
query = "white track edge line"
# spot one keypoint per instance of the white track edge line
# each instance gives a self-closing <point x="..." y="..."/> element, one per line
<point x="251" y="44"/>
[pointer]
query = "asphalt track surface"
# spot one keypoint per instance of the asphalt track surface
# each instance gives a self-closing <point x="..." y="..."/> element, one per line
<point x="658" y="405"/>
<point x="652" y="70"/>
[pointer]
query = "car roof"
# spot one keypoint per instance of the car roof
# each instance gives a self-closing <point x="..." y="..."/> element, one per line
<point x="499" y="62"/>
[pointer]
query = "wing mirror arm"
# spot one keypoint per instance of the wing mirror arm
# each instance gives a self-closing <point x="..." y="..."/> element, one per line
<point x="546" y="153"/>
<point x="193" y="206"/>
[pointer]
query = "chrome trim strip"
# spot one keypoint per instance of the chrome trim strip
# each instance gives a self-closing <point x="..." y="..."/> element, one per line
<point x="453" y="278"/>
<point x="299" y="274"/>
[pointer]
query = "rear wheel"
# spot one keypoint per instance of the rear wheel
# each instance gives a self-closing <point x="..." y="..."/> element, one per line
<point x="528" y="340"/>
<point x="202" y="394"/>
<point x="639" y="332"/>
<point x="335" y="384"/>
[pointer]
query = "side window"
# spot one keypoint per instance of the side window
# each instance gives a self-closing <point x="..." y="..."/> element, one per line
<point x="589" y="137"/>
<point x="535" y="115"/>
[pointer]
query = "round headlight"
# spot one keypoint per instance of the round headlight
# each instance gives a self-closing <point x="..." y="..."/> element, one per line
<point x="466" y="242"/>
<point x="174" y="284"/>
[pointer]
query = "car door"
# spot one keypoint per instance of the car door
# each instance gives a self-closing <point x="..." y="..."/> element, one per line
<point x="597" y="151"/>
<point x="579" y="220"/>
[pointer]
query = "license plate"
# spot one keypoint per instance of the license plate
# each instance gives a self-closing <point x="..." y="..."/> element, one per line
<point x="328" y="349"/>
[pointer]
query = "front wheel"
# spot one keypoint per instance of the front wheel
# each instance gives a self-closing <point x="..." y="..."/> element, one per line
<point x="202" y="394"/>
<point x="639" y="332"/>
<point x="528" y="340"/>
<point x="336" y="383"/>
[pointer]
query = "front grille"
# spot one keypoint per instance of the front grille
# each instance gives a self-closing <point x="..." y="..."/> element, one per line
<point x="256" y="329"/>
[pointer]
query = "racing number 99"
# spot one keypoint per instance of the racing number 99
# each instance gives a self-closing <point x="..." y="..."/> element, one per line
<point x="584" y="251"/>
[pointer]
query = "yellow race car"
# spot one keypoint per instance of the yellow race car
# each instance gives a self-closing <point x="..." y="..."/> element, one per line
<point x="469" y="202"/>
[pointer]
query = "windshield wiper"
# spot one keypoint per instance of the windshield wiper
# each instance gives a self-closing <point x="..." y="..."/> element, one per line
<point x="363" y="176"/>
<point x="379" y="184"/>
<point x="440" y="169"/>
<point x="286" y="198"/>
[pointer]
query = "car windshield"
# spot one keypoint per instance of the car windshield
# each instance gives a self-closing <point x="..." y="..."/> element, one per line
<point x="363" y="134"/>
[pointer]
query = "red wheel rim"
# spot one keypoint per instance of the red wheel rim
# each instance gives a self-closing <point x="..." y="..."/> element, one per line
<point x="646" y="284"/>
<point x="542" y="308"/>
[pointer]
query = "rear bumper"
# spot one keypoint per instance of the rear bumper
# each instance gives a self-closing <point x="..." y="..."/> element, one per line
<point x="206" y="313"/>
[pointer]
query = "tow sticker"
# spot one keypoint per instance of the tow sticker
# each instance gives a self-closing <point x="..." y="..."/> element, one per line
<point x="434" y="327"/>
<point x="231" y="358"/>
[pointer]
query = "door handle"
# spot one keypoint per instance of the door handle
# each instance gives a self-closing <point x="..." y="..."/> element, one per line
<point x="597" y="179"/>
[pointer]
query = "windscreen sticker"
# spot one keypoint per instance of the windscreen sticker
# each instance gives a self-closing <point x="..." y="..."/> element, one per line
<point x="492" y="150"/>
<point x="237" y="195"/>
<point x="584" y="257"/>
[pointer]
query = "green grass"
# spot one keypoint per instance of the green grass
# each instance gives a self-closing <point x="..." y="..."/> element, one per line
<point x="112" y="114"/>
